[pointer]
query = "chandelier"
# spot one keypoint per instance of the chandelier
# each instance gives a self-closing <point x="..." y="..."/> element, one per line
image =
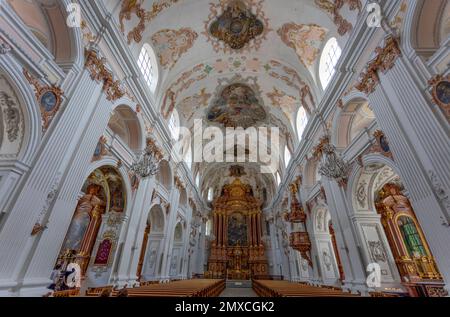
<point x="332" y="165"/>
<point x="148" y="162"/>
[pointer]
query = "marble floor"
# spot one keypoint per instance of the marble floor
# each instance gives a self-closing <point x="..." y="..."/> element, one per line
<point x="238" y="292"/>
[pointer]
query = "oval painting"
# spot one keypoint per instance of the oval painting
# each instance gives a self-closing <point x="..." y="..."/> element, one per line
<point x="48" y="101"/>
<point x="443" y="92"/>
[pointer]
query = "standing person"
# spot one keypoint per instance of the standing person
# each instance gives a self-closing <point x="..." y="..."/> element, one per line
<point x="56" y="273"/>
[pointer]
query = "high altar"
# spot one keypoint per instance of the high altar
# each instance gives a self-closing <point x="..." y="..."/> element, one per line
<point x="237" y="251"/>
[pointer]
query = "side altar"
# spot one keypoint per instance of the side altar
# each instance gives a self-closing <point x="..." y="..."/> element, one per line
<point x="237" y="252"/>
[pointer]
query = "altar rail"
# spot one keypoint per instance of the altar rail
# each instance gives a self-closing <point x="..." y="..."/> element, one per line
<point x="183" y="288"/>
<point x="273" y="288"/>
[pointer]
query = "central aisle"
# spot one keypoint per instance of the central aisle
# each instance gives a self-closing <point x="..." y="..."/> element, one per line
<point x="238" y="289"/>
<point x="238" y="292"/>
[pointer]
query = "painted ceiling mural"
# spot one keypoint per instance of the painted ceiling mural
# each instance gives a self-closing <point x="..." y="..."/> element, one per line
<point x="236" y="25"/>
<point x="237" y="105"/>
<point x="135" y="6"/>
<point x="305" y="39"/>
<point x="171" y="44"/>
<point x="288" y="104"/>
<point x="190" y="105"/>
<point x="276" y="70"/>
<point x="333" y="8"/>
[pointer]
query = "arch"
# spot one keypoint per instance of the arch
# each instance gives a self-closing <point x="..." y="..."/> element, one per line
<point x="183" y="197"/>
<point x="122" y="172"/>
<point x="310" y="173"/>
<point x="178" y="233"/>
<point x="13" y="83"/>
<point x="156" y="219"/>
<point x="427" y="26"/>
<point x="364" y="183"/>
<point x="351" y="120"/>
<point x="323" y="244"/>
<point x="164" y="175"/>
<point x="103" y="193"/>
<point x="46" y="20"/>
<point x="148" y="65"/>
<point x="20" y="129"/>
<point x="125" y="124"/>
<point x="152" y="260"/>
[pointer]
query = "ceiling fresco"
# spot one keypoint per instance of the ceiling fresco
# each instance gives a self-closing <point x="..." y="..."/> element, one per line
<point x="237" y="106"/>
<point x="237" y="63"/>
<point x="169" y="45"/>
<point x="306" y="40"/>
<point x="237" y="26"/>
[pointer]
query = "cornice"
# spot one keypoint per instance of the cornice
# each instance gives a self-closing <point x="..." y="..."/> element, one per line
<point x="361" y="36"/>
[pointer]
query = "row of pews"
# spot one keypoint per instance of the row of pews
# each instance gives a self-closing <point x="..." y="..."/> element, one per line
<point x="182" y="288"/>
<point x="265" y="288"/>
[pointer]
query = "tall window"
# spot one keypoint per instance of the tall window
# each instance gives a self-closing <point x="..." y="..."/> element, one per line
<point x="146" y="64"/>
<point x="287" y="156"/>
<point x="411" y="237"/>
<point x="210" y="194"/>
<point x="197" y="180"/>
<point x="188" y="157"/>
<point x="208" y="227"/>
<point x="330" y="56"/>
<point x="302" y="121"/>
<point x="174" y="125"/>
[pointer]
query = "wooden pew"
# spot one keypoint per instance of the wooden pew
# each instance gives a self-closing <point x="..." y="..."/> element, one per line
<point x="275" y="288"/>
<point x="182" y="288"/>
<point x="97" y="291"/>
<point x="67" y="293"/>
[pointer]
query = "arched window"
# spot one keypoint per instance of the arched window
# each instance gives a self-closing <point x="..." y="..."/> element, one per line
<point x="208" y="228"/>
<point x="330" y="56"/>
<point x="278" y="178"/>
<point x="411" y="237"/>
<point x="188" y="157"/>
<point x="174" y="125"/>
<point x="210" y="194"/>
<point x="197" y="180"/>
<point x="302" y="121"/>
<point x="287" y="156"/>
<point x="147" y="65"/>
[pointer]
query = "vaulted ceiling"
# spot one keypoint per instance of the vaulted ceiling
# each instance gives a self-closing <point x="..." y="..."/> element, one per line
<point x="236" y="62"/>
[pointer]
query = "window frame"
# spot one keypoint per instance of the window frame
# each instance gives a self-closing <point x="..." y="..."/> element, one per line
<point x="330" y="57"/>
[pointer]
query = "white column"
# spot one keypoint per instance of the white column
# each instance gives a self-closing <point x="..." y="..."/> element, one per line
<point x="135" y="233"/>
<point x="352" y="262"/>
<point x="407" y="133"/>
<point x="168" y="241"/>
<point x="63" y="139"/>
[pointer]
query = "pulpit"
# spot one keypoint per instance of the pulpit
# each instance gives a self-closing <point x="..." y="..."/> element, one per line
<point x="238" y="251"/>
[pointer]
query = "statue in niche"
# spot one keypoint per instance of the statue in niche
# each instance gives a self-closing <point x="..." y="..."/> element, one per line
<point x="326" y="259"/>
<point x="152" y="261"/>
<point x="80" y="221"/>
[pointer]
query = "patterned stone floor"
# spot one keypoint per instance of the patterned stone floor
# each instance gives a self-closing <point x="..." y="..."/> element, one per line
<point x="238" y="292"/>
